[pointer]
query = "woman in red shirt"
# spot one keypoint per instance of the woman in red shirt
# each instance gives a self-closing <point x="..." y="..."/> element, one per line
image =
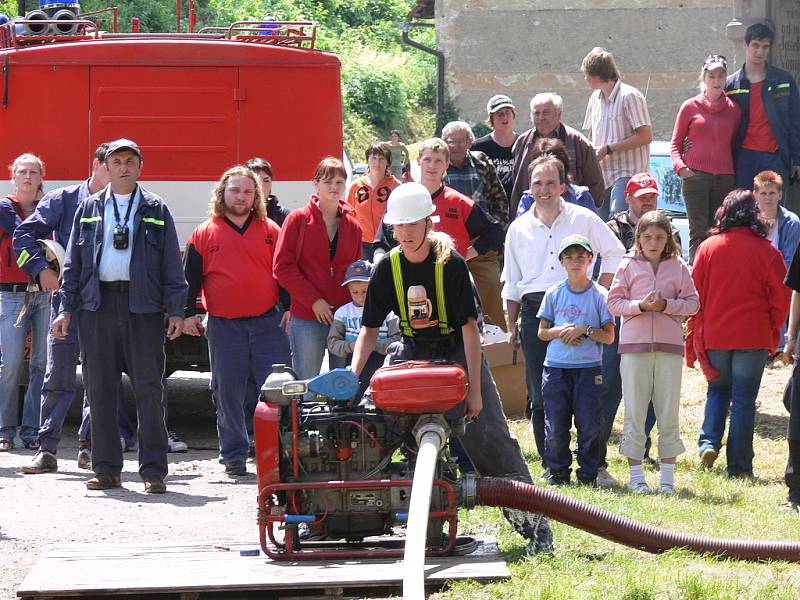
<point x="316" y="245"/>
<point x="702" y="149"/>
<point x="743" y="304"/>
<point x="369" y="193"/>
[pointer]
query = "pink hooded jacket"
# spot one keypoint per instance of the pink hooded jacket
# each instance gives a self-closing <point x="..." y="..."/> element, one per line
<point x="652" y="331"/>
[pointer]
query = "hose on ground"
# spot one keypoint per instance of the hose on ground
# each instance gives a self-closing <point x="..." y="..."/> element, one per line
<point x="524" y="496"/>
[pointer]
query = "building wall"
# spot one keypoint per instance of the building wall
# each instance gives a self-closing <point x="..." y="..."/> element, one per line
<point x="522" y="48"/>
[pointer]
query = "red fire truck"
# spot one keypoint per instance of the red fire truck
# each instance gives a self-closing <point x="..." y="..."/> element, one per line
<point x="196" y="103"/>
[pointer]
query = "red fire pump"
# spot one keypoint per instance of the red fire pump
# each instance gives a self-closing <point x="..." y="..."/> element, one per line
<point x="342" y="472"/>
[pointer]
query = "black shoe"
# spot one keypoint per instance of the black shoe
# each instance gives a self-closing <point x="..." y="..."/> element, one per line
<point x="251" y="450"/>
<point x="553" y="479"/>
<point x="154" y="485"/>
<point x="236" y="467"/>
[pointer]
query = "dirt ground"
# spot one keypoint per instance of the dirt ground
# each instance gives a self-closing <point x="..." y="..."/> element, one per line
<point x="203" y="505"/>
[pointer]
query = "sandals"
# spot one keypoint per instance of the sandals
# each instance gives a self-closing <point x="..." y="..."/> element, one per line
<point x="6" y="445"/>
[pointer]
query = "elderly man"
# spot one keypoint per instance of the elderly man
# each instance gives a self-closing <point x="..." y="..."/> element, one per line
<point x="619" y="126"/>
<point x="472" y="173"/>
<point x="584" y="169"/>
<point x="123" y="278"/>
<point x="498" y="144"/>
<point x="531" y="267"/>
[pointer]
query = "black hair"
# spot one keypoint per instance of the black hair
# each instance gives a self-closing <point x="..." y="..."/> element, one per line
<point x="758" y="31"/>
<point x="739" y="209"/>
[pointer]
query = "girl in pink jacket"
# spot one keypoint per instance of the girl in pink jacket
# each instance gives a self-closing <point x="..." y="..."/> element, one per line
<point x="652" y="292"/>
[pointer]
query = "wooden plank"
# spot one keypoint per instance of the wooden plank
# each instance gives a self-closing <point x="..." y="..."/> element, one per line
<point x="91" y="569"/>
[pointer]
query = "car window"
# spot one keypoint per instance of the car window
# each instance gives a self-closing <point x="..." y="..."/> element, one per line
<point x="670" y="197"/>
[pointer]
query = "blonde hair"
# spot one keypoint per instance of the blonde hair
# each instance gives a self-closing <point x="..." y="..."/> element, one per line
<point x="217" y="205"/>
<point x="23" y="158"/>
<point x="436" y="145"/>
<point x="441" y="243"/>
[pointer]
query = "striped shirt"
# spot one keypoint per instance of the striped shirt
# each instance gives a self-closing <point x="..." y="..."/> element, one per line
<point x="613" y="119"/>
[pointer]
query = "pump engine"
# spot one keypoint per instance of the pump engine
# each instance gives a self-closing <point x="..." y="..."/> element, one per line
<point x="332" y="469"/>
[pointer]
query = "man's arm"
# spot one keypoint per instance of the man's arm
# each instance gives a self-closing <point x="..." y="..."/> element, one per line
<point x="472" y="352"/>
<point x="608" y="247"/>
<point x="484" y="230"/>
<point x="172" y="278"/>
<point x="40" y="224"/>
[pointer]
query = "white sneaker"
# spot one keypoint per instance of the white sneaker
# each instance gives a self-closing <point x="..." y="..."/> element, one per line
<point x="667" y="489"/>
<point x="85" y="459"/>
<point x="605" y="479"/>
<point x="640" y="487"/>
<point x="175" y="444"/>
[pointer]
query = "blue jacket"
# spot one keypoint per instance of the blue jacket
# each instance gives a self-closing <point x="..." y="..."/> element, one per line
<point x="788" y="234"/>
<point x="782" y="105"/>
<point x="157" y="283"/>
<point x="54" y="214"/>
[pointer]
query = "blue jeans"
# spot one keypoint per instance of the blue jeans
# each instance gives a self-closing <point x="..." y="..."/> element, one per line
<point x="242" y="354"/>
<point x="739" y="378"/>
<point x="614" y="200"/>
<point x="309" y="340"/>
<point x="535" y="351"/>
<point x="12" y="362"/>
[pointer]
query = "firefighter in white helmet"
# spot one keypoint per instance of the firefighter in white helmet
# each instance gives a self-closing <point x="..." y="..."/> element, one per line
<point x="427" y="284"/>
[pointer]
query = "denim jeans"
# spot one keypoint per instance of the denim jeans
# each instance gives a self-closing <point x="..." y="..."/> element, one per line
<point x="12" y="362"/>
<point x="614" y="200"/>
<point x="739" y="378"/>
<point x="309" y="340"/>
<point x="534" y="351"/>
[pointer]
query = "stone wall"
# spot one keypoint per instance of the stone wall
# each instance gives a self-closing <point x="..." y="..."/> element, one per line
<point x="521" y="48"/>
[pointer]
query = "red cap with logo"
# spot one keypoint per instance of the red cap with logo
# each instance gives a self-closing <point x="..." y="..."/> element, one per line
<point x="640" y="184"/>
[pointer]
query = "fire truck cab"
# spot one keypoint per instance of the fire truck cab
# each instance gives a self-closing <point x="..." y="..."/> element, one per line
<point x="196" y="103"/>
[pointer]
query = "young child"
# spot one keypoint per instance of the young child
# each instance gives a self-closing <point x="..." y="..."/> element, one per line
<point x="347" y="323"/>
<point x="575" y="320"/>
<point x="652" y="292"/>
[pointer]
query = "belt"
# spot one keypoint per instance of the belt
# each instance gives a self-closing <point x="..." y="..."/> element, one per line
<point x="115" y="286"/>
<point x="13" y="287"/>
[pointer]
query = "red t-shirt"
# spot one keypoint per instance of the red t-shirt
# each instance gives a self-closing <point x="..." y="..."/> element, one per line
<point x="759" y="133"/>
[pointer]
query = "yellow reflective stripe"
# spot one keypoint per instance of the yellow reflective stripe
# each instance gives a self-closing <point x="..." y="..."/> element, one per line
<point x="91" y="219"/>
<point x="444" y="327"/>
<point x="784" y="85"/>
<point x="397" y="277"/>
<point x="737" y="91"/>
<point x="23" y="258"/>
<point x="153" y="221"/>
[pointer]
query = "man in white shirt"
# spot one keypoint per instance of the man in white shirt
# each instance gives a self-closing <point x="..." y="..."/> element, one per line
<point x="531" y="266"/>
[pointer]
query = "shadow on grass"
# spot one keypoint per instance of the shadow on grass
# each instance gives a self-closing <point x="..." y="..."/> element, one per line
<point x="770" y="426"/>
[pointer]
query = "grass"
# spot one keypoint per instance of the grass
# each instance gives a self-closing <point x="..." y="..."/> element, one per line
<point x="708" y="503"/>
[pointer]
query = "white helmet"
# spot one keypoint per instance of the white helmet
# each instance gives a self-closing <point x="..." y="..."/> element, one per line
<point x="408" y="203"/>
<point x="55" y="254"/>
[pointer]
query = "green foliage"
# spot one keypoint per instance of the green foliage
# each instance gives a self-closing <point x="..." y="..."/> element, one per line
<point x="8" y="8"/>
<point x="375" y="93"/>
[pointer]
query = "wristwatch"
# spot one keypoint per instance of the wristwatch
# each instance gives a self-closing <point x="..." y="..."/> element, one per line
<point x="589" y="331"/>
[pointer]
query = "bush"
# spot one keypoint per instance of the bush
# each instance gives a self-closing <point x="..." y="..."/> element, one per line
<point x="375" y="93"/>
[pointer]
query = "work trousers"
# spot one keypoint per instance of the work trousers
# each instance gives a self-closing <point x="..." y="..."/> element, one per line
<point x="485" y="270"/>
<point x="792" y="475"/>
<point x="535" y="351"/>
<point x="116" y="340"/>
<point x="59" y="386"/>
<point x="242" y="354"/>
<point x="569" y="393"/>
<point x="490" y="445"/>
<point x="703" y="194"/>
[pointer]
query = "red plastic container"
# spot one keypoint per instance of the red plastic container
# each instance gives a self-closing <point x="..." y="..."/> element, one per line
<point x="419" y="387"/>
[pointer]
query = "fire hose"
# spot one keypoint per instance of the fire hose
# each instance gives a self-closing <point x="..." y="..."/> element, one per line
<point x="525" y="496"/>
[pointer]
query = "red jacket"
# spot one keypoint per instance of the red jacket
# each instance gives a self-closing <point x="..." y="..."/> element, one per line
<point x="743" y="300"/>
<point x="302" y="258"/>
<point x="10" y="216"/>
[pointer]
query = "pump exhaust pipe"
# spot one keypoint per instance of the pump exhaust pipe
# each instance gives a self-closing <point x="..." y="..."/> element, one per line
<point x="528" y="497"/>
<point x="36" y="28"/>
<point x="64" y="28"/>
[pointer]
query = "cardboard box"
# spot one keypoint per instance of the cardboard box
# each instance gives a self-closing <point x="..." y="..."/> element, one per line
<point x="509" y="378"/>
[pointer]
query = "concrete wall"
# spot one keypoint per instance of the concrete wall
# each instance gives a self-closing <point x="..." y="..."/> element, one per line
<point x="521" y="48"/>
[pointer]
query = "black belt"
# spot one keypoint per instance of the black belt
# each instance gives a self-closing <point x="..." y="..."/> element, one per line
<point x="115" y="286"/>
<point x="13" y="287"/>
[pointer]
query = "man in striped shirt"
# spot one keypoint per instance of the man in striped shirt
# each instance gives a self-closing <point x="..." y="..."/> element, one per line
<point x="618" y="125"/>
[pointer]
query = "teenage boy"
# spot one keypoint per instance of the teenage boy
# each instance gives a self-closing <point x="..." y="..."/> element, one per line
<point x="575" y="320"/>
<point x="769" y="132"/>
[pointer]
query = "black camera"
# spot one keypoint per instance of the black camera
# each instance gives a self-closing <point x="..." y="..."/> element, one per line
<point x="120" y="236"/>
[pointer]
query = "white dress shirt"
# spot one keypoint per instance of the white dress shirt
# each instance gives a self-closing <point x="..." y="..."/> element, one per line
<point x="531" y="255"/>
